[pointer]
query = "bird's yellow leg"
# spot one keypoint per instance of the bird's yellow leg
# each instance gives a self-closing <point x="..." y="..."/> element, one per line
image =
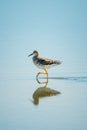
<point x="42" y="73"/>
<point x="41" y="82"/>
<point x="39" y="74"/>
<point x="46" y="72"/>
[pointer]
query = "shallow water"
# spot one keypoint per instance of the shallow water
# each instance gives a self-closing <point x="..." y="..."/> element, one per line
<point x="65" y="110"/>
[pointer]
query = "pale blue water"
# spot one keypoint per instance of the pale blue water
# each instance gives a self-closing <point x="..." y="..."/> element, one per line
<point x="67" y="110"/>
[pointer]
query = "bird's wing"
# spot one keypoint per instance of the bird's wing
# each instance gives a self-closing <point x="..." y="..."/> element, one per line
<point x="46" y="61"/>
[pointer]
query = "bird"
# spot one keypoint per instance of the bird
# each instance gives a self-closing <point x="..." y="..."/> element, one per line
<point x="43" y="63"/>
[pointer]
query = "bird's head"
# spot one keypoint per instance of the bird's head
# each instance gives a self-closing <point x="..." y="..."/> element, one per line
<point x="35" y="53"/>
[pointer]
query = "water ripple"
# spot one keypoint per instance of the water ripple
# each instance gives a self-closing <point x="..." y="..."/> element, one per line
<point x="78" y="78"/>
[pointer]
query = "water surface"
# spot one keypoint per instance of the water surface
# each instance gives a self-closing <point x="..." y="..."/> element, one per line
<point x="67" y="110"/>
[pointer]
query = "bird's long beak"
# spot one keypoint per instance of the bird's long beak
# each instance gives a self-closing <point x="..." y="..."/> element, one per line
<point x="30" y="55"/>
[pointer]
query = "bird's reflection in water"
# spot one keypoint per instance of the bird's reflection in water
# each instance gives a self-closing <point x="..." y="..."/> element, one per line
<point x="43" y="91"/>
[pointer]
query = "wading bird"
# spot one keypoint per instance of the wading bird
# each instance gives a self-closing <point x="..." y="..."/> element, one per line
<point x="43" y="63"/>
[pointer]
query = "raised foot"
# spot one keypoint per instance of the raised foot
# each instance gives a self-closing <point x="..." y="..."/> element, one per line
<point x="42" y="73"/>
<point x="46" y="78"/>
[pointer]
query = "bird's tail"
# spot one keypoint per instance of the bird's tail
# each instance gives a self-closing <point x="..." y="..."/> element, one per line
<point x="57" y="62"/>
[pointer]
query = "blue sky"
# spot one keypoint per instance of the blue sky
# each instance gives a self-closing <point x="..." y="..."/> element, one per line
<point x="57" y="28"/>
